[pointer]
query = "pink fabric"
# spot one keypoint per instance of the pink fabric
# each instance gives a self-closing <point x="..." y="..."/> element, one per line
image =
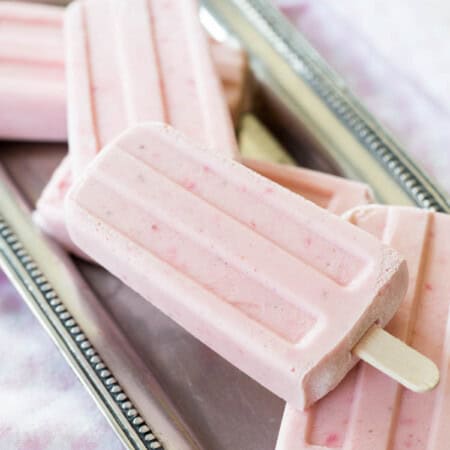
<point x="394" y="55"/>
<point x="43" y="405"/>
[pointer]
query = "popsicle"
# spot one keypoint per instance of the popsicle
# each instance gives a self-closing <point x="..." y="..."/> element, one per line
<point x="369" y="411"/>
<point x="330" y="192"/>
<point x="258" y="148"/>
<point x="149" y="62"/>
<point x="32" y="80"/>
<point x="32" y="85"/>
<point x="199" y="236"/>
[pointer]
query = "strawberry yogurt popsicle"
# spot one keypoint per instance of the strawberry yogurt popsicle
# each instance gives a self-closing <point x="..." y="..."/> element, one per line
<point x="32" y="84"/>
<point x="127" y="64"/>
<point x="327" y="191"/>
<point x="369" y="411"/>
<point x="333" y="193"/>
<point x="32" y="78"/>
<point x="198" y="235"/>
<point x="49" y="213"/>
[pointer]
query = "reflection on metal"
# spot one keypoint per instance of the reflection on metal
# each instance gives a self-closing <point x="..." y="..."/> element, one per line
<point x="123" y="388"/>
<point x="302" y="97"/>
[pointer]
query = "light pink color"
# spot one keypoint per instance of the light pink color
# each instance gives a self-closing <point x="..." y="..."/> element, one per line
<point x="199" y="236"/>
<point x="149" y="62"/>
<point x="32" y="85"/>
<point x="327" y="191"/>
<point x="399" y="104"/>
<point x="330" y="192"/>
<point x="49" y="213"/>
<point x="369" y="411"/>
<point x="32" y="78"/>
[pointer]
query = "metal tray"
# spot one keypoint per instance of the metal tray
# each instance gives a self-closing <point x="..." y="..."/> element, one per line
<point x="158" y="386"/>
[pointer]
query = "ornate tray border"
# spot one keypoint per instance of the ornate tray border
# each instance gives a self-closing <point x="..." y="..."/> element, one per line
<point x="298" y="55"/>
<point x="47" y="305"/>
<point x="29" y="272"/>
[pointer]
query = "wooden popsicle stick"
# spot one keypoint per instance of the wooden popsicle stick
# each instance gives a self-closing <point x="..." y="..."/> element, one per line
<point x="256" y="142"/>
<point x="397" y="360"/>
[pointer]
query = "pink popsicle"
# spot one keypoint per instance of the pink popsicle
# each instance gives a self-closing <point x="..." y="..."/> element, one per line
<point x="32" y="85"/>
<point x="148" y="62"/>
<point x="32" y="79"/>
<point x="49" y="213"/>
<point x="330" y="192"/>
<point x="369" y="411"/>
<point x="199" y="236"/>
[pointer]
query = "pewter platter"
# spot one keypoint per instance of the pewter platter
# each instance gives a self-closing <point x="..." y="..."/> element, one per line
<point x="134" y="344"/>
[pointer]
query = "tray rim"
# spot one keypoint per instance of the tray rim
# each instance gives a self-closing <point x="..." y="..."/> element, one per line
<point x="327" y="86"/>
<point x="29" y="275"/>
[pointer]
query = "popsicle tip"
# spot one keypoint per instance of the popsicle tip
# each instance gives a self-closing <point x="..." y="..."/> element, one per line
<point x="430" y="377"/>
<point x="399" y="361"/>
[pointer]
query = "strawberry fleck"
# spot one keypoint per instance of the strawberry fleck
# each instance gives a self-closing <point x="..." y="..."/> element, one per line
<point x="189" y="184"/>
<point x="62" y="185"/>
<point x="332" y="439"/>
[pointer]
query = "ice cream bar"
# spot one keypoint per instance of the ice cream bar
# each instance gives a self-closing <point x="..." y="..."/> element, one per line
<point x="32" y="85"/>
<point x="369" y="411"/>
<point x="49" y="213"/>
<point x="231" y="64"/>
<point x="334" y="193"/>
<point x="127" y="64"/>
<point x="32" y="80"/>
<point x="328" y="191"/>
<point x="259" y="149"/>
<point x="281" y="288"/>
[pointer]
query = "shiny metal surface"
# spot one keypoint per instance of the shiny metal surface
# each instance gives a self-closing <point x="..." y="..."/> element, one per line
<point x="127" y="393"/>
<point x="307" y="107"/>
<point x="303" y="99"/>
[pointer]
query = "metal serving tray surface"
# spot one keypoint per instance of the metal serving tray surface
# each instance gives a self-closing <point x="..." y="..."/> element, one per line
<point x="158" y="386"/>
